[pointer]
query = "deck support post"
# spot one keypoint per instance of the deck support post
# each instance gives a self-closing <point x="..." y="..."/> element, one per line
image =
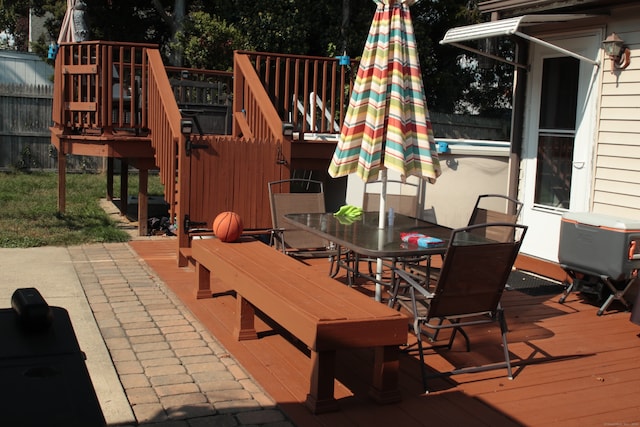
<point x="124" y="186"/>
<point x="109" y="178"/>
<point x="143" y="200"/>
<point x="62" y="179"/>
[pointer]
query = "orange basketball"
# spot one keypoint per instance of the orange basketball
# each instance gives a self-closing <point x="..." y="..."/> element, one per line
<point x="227" y="226"/>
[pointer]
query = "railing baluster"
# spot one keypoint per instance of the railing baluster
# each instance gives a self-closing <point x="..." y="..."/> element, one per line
<point x="291" y="94"/>
<point x="296" y="93"/>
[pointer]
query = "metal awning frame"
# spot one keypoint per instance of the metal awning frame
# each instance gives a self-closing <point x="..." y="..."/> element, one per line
<point x="511" y="27"/>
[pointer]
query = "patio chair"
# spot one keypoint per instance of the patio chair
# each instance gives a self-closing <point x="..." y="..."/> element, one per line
<point x="406" y="203"/>
<point x="491" y="208"/>
<point x="467" y="293"/>
<point x="297" y="195"/>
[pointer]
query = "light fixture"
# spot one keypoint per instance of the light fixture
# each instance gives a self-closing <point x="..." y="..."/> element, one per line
<point x="53" y="51"/>
<point x="186" y="126"/>
<point x="287" y="129"/>
<point x="619" y="54"/>
<point x="343" y="60"/>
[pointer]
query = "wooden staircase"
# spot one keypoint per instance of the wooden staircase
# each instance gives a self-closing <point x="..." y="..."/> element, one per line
<point x="115" y="100"/>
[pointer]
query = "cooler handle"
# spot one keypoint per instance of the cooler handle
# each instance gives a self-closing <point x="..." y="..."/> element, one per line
<point x="634" y="250"/>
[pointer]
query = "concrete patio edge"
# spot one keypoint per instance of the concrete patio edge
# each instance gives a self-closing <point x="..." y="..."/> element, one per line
<point x="52" y="272"/>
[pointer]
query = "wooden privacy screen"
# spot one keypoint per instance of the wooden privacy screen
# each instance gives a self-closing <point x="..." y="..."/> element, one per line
<point x="231" y="174"/>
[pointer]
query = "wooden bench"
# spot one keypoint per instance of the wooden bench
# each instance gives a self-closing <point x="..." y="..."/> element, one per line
<point x="323" y="313"/>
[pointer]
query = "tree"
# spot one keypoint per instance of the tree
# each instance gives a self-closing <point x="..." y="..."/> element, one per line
<point x="208" y="42"/>
<point x="213" y="28"/>
<point x="490" y="94"/>
<point x="14" y="20"/>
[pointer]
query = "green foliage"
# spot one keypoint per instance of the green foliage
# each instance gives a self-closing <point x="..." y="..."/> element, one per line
<point x="26" y="160"/>
<point x="207" y="42"/>
<point x="273" y="25"/>
<point x="14" y="19"/>
<point x="214" y="28"/>
<point x="29" y="210"/>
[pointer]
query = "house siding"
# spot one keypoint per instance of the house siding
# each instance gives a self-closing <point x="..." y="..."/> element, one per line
<point x="616" y="187"/>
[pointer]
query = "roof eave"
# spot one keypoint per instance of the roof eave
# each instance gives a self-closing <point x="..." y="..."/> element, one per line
<point x="508" y="8"/>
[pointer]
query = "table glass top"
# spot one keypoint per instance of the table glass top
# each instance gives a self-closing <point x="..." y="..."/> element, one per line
<point x="364" y="236"/>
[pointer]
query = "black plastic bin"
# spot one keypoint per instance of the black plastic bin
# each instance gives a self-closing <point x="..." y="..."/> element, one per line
<point x="44" y="377"/>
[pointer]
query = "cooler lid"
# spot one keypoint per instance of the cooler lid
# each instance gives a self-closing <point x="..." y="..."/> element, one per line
<point x="602" y="220"/>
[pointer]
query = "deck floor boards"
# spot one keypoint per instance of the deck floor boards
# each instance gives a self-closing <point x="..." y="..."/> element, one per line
<point x="572" y="366"/>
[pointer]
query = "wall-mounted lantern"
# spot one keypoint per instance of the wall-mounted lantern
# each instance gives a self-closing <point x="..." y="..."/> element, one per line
<point x="618" y="53"/>
<point x="186" y="126"/>
<point x="287" y="129"/>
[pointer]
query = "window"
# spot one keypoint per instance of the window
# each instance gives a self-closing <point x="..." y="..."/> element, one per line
<point x="557" y="130"/>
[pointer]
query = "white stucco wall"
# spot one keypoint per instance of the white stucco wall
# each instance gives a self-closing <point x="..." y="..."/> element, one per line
<point x="465" y="175"/>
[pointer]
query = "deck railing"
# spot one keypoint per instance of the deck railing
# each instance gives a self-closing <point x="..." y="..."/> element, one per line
<point x="163" y="117"/>
<point x="254" y="116"/>
<point x="310" y="93"/>
<point x="91" y="96"/>
<point x="196" y="88"/>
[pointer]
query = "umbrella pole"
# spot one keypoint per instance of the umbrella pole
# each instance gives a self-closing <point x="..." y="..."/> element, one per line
<point x="383" y="199"/>
<point x="381" y="226"/>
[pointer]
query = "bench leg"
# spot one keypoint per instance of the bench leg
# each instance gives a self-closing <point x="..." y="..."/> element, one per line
<point x="203" y="278"/>
<point x="384" y="385"/>
<point x="245" y="320"/>
<point x="320" y="398"/>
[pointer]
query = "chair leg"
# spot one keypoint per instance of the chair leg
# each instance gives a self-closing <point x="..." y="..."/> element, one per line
<point x="505" y="346"/>
<point x="434" y="336"/>
<point x="423" y="367"/>
<point x="453" y="336"/>
<point x="334" y="267"/>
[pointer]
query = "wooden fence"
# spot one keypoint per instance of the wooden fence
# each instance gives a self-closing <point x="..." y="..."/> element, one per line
<point x="25" y="139"/>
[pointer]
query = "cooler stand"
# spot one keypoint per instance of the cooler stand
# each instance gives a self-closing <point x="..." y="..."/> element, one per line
<point x="616" y="294"/>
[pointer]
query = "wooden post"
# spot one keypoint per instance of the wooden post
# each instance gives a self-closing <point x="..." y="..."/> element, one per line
<point x="184" y="198"/>
<point x="384" y="387"/>
<point x="124" y="186"/>
<point x="143" y="204"/>
<point x="320" y="398"/>
<point x="109" y="178"/>
<point x="62" y="179"/>
<point x="244" y="325"/>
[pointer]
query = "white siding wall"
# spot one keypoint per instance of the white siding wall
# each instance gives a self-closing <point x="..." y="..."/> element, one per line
<point x="617" y="158"/>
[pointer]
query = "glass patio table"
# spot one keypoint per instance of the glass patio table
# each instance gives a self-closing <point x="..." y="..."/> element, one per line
<point x="363" y="238"/>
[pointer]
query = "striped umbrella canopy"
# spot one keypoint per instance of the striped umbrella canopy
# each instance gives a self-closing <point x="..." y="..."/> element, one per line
<point x="387" y="123"/>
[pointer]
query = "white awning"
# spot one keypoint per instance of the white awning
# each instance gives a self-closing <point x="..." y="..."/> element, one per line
<point x="511" y="27"/>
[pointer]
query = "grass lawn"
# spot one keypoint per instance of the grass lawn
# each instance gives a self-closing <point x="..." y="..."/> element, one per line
<point x="29" y="209"/>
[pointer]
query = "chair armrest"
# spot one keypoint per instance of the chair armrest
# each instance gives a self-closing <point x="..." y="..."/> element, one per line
<point x="411" y="281"/>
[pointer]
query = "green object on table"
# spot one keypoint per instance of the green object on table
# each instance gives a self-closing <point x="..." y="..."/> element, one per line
<point x="348" y="214"/>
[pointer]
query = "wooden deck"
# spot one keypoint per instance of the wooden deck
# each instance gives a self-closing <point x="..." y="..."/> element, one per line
<point x="573" y="368"/>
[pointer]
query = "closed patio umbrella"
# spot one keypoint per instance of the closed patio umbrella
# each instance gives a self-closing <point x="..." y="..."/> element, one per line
<point x="74" y="27"/>
<point x="387" y="124"/>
